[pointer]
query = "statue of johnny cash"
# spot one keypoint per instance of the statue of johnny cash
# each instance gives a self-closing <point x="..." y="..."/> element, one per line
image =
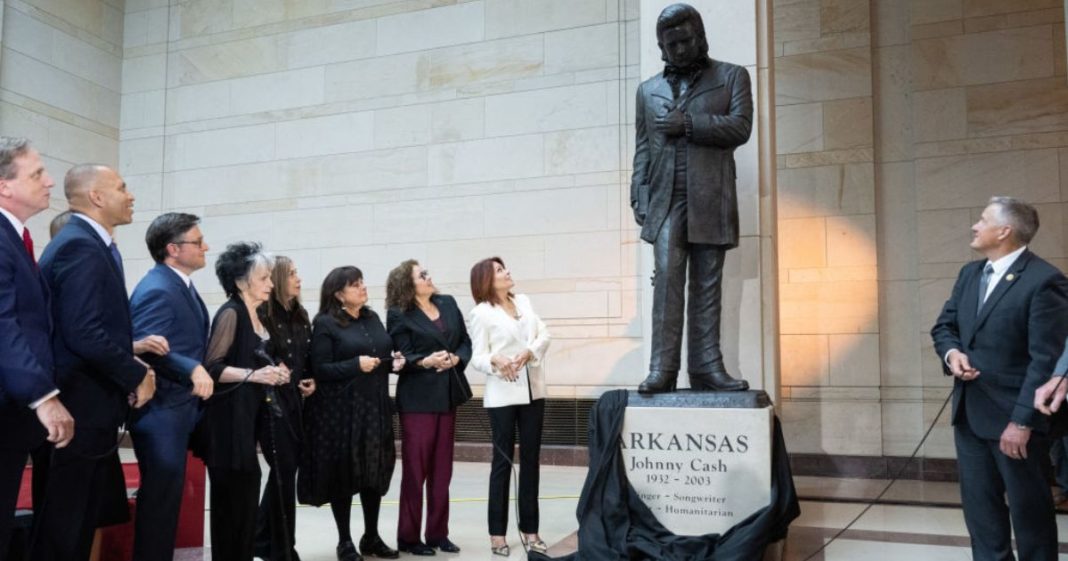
<point x="689" y="120"/>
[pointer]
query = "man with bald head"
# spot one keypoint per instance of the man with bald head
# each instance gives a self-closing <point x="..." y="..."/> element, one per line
<point x="97" y="369"/>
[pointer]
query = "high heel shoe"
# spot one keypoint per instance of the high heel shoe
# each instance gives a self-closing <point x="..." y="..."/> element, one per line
<point x="537" y="546"/>
<point x="502" y="550"/>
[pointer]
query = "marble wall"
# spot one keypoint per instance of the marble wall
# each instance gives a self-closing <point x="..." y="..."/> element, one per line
<point x="897" y="120"/>
<point x="61" y="82"/>
<point x="368" y="132"/>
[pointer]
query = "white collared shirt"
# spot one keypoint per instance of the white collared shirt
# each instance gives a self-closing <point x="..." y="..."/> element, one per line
<point x="1001" y="266"/>
<point x="19" y="227"/>
<point x="15" y="222"/>
<point x="100" y="230"/>
<point x="185" y="278"/>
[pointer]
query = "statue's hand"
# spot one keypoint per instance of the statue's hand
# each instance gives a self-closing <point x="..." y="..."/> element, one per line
<point x="673" y="124"/>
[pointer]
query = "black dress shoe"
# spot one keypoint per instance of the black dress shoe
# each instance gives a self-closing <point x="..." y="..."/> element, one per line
<point x="373" y="546"/>
<point x="415" y="548"/>
<point x="717" y="381"/>
<point x="444" y="545"/>
<point x="658" y="382"/>
<point x="346" y="551"/>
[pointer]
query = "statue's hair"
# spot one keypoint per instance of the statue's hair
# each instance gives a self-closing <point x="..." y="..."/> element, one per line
<point x="678" y="14"/>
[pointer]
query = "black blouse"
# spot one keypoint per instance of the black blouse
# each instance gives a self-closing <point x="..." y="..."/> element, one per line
<point x="336" y="348"/>
<point x="290" y="343"/>
<point x="228" y="429"/>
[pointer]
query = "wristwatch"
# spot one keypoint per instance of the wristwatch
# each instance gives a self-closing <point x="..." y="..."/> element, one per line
<point x="1021" y="427"/>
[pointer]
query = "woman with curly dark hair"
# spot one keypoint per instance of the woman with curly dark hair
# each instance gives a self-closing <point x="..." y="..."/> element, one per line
<point x="348" y="422"/>
<point x="429" y="330"/>
<point x="236" y="417"/>
<point x="287" y="322"/>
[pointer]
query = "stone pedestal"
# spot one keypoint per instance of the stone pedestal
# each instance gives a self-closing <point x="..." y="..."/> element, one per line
<point x="701" y="461"/>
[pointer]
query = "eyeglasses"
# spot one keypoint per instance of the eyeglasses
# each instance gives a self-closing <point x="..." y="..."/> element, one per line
<point x="424" y="274"/>
<point x="199" y="243"/>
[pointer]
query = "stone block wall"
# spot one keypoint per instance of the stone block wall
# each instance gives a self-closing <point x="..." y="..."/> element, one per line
<point x="897" y="120"/>
<point x="368" y="132"/>
<point x="61" y="83"/>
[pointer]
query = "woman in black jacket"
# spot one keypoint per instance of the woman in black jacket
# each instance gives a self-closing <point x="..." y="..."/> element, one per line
<point x="348" y="422"/>
<point x="236" y="416"/>
<point x="287" y="322"/>
<point x="429" y="330"/>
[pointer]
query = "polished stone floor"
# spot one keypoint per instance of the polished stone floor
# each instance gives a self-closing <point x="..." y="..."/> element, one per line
<point x="922" y="521"/>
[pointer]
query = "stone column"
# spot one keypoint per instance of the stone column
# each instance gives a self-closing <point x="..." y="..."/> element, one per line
<point x="738" y="32"/>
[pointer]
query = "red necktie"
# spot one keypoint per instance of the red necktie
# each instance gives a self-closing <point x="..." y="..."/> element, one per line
<point x="28" y="242"/>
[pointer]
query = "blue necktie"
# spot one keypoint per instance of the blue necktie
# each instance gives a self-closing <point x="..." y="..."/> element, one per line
<point x="196" y="301"/>
<point x="984" y="283"/>
<point x="117" y="258"/>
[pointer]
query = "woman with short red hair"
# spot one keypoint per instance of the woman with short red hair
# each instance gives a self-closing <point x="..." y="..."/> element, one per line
<point x="508" y="342"/>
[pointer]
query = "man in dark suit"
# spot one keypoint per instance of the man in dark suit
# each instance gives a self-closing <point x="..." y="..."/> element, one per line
<point x="96" y="366"/>
<point x="689" y="119"/>
<point x="999" y="335"/>
<point x="165" y="302"/>
<point x="1050" y="396"/>
<point x="30" y="407"/>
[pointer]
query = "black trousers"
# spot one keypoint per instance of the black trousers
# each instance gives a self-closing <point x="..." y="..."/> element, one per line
<point x="276" y="519"/>
<point x="234" y="495"/>
<point x="672" y="256"/>
<point x="987" y="477"/>
<point x="81" y="493"/>
<point x="503" y="422"/>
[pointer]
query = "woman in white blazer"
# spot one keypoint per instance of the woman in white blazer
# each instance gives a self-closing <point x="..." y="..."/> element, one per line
<point x="508" y="343"/>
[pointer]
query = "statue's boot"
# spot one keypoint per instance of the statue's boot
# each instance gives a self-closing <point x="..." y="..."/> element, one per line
<point x="659" y="382"/>
<point x="717" y="380"/>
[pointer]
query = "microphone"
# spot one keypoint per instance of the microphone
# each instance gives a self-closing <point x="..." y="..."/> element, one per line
<point x="272" y="396"/>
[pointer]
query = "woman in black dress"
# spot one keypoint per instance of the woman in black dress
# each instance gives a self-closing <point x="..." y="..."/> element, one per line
<point x="429" y="330"/>
<point x="348" y="421"/>
<point x="287" y="322"/>
<point x="236" y="417"/>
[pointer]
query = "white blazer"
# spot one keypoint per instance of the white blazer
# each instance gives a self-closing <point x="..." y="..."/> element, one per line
<point x="494" y="332"/>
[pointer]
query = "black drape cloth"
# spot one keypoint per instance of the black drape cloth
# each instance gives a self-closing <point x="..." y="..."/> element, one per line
<point x="614" y="523"/>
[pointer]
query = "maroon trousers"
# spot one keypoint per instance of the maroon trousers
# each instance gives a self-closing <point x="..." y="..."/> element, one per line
<point x="426" y="458"/>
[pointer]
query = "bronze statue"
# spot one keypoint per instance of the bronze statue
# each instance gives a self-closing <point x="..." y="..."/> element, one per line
<point x="689" y="120"/>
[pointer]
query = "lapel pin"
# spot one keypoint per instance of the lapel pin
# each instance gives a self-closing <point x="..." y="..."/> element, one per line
<point x="1009" y="277"/>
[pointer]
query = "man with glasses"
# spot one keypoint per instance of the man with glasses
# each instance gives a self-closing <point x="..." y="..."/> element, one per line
<point x="166" y="302"/>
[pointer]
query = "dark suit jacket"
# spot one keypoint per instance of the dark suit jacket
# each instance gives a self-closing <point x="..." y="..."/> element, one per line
<point x="720" y="107"/>
<point x="93" y="339"/>
<point x="425" y="390"/>
<point x="1013" y="341"/>
<point x="162" y="305"/>
<point x="26" y="370"/>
